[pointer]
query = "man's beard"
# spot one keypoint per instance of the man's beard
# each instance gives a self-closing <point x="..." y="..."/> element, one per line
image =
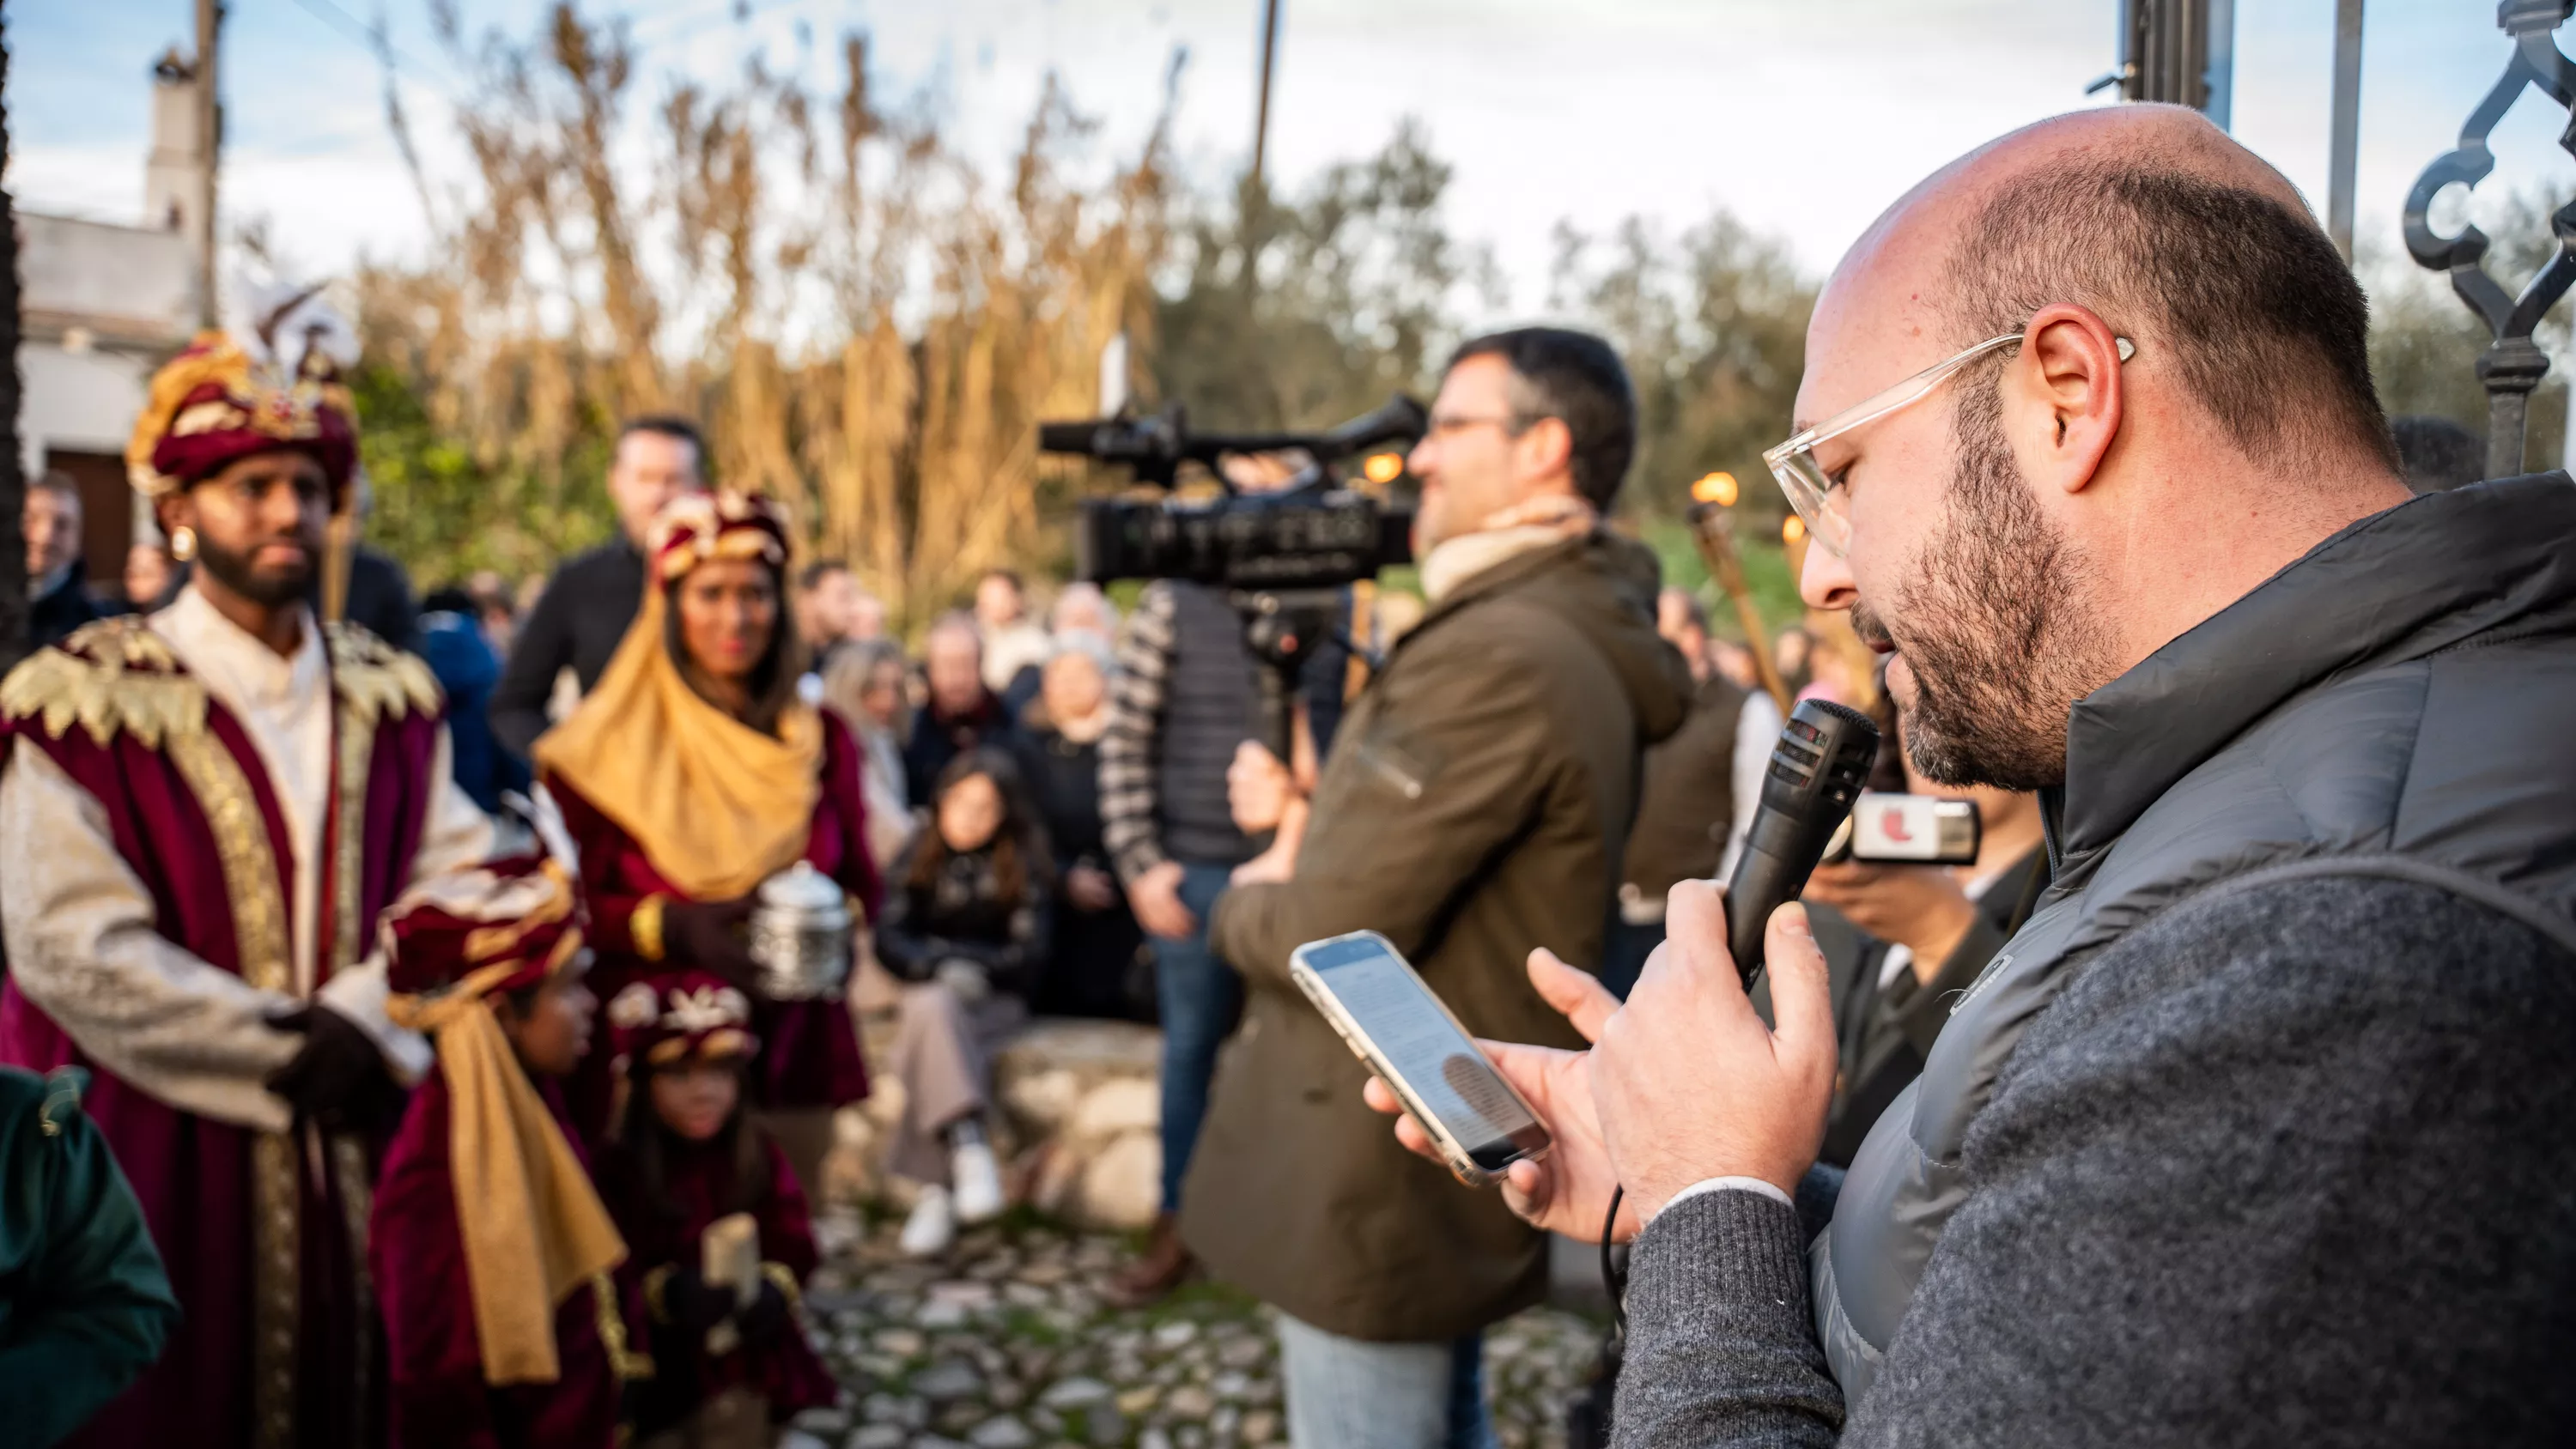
<point x="1995" y="629"/>
<point x="236" y="572"/>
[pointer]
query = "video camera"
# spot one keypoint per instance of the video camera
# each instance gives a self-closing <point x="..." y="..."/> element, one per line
<point x="1311" y="535"/>
<point x="1282" y="558"/>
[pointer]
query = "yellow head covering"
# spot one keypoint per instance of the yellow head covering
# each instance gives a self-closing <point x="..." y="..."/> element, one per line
<point x="717" y="806"/>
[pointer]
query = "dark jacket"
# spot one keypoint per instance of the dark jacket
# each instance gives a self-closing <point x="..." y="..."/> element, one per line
<point x="467" y="669"/>
<point x="84" y="1303"/>
<point x="2260" y="1131"/>
<point x="577" y="624"/>
<point x="962" y="914"/>
<point x="1687" y="809"/>
<point x="381" y="598"/>
<point x="939" y="738"/>
<point x="51" y="619"/>
<point x="1473" y="808"/>
<point x="1885" y="1032"/>
<point x="1093" y="967"/>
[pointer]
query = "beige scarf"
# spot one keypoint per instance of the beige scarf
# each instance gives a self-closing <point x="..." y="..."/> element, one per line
<point x="1505" y="534"/>
<point x="717" y="806"/>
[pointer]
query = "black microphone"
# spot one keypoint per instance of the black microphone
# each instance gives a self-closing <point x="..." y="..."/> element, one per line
<point x="1822" y="760"/>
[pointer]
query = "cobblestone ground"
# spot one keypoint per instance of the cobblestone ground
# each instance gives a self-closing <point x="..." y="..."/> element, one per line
<point x="1007" y="1345"/>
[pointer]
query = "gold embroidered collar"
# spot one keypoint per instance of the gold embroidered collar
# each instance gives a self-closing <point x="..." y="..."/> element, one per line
<point x="117" y="675"/>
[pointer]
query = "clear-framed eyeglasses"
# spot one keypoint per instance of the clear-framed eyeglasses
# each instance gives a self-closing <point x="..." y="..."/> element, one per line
<point x="1820" y="497"/>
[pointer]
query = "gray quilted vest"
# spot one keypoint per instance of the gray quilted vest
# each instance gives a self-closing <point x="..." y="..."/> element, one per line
<point x="2400" y="702"/>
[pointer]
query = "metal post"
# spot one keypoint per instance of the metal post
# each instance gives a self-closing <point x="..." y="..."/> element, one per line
<point x="2182" y="52"/>
<point x="2512" y="365"/>
<point x="1261" y="117"/>
<point x="210" y="148"/>
<point x="2344" y="158"/>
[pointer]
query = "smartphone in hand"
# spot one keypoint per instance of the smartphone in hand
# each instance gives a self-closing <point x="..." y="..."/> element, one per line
<point x="1392" y="1022"/>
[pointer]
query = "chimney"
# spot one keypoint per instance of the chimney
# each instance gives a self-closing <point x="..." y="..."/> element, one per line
<point x="172" y="185"/>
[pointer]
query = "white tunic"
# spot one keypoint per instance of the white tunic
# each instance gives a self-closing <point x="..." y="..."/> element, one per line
<point x="79" y="922"/>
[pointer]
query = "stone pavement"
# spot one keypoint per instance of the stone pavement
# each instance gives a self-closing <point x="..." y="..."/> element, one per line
<point x="1007" y="1345"/>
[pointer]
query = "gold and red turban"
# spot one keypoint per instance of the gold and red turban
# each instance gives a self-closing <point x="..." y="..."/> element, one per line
<point x="696" y="527"/>
<point x="681" y="1016"/>
<point x="230" y="395"/>
<point x="533" y="1226"/>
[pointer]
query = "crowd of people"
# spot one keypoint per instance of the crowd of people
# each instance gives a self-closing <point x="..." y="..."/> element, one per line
<point x="397" y="1010"/>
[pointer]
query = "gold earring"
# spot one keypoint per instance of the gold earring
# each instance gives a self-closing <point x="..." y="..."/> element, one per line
<point x="183" y="543"/>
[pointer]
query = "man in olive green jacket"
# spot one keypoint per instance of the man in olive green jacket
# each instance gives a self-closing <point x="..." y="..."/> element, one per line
<point x="1473" y="810"/>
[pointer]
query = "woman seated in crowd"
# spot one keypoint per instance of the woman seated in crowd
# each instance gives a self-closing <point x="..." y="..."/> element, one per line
<point x="1093" y="966"/>
<point x="691" y="774"/>
<point x="965" y="929"/>
<point x="728" y="1364"/>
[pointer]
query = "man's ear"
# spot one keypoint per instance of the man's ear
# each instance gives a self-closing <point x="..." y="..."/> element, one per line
<point x="1547" y="447"/>
<point x="2065" y="397"/>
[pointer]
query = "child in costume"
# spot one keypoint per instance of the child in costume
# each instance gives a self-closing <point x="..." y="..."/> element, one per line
<point x="490" y="1248"/>
<point x="685" y="1158"/>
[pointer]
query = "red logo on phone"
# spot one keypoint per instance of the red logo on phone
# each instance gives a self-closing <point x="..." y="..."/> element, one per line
<point x="1892" y="824"/>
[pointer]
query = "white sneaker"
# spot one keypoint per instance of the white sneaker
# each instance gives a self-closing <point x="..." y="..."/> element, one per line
<point x="932" y="1227"/>
<point x="978" y="1175"/>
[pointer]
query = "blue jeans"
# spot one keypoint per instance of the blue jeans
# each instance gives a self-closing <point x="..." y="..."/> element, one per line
<point x="1200" y="998"/>
<point x="1346" y="1393"/>
<point x="1624" y="951"/>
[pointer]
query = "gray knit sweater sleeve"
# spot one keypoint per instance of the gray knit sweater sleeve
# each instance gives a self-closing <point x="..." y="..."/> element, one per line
<point x="2288" y="1164"/>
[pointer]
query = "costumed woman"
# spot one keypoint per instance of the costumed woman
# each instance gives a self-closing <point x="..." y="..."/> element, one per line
<point x="489" y="1246"/>
<point x="730" y="1362"/>
<point x="691" y="774"/>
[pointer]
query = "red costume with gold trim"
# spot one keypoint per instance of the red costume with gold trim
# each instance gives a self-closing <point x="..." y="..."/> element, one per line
<point x="196" y="836"/>
<point x="668" y="799"/>
<point x="664" y="1198"/>
<point x="486" y="1193"/>
<point x="254" y="1225"/>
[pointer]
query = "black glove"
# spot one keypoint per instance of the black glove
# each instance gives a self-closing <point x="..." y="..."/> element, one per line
<point x="693" y="1305"/>
<point x="339" y="1080"/>
<point x="767" y="1317"/>
<point x="709" y="935"/>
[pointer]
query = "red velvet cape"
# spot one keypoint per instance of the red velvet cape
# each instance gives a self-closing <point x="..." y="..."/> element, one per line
<point x="417" y="1250"/>
<point x="199" y="1180"/>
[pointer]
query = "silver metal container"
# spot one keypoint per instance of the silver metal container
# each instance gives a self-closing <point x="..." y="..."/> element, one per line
<point x="800" y="935"/>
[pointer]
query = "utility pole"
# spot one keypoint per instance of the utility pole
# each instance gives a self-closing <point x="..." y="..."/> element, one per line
<point x="1261" y="116"/>
<point x="2344" y="157"/>
<point x="210" y="151"/>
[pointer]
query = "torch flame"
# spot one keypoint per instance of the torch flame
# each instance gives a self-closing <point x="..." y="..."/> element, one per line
<point x="1717" y="488"/>
<point x="1383" y="467"/>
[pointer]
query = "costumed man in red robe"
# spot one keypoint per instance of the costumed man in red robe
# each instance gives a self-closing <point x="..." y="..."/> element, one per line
<point x="727" y="1365"/>
<point x="491" y="1249"/>
<point x="202" y="813"/>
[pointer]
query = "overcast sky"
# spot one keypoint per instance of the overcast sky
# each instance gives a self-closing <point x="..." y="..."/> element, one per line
<point x="1804" y="117"/>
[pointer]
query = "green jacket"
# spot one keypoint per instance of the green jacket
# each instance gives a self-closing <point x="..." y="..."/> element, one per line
<point x="84" y="1305"/>
<point x="1474" y="808"/>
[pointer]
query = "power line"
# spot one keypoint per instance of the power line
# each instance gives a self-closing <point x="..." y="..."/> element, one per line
<point x="379" y="46"/>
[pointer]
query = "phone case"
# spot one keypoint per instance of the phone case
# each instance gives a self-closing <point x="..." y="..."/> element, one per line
<point x="1452" y="1151"/>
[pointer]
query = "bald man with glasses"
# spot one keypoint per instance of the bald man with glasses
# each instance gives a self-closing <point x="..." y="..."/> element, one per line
<point x="2260" y="1130"/>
